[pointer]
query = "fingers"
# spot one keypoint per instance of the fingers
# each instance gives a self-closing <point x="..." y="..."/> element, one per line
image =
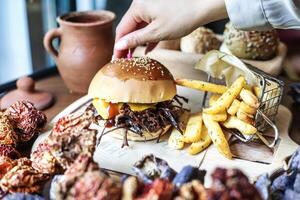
<point x="126" y="25"/>
<point x="148" y="34"/>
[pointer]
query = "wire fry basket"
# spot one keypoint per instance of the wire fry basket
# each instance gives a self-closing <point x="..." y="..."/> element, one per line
<point x="270" y="98"/>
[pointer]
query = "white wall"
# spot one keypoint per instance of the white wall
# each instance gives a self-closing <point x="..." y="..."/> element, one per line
<point x="15" y="58"/>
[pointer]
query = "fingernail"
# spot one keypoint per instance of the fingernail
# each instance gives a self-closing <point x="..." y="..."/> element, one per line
<point x="121" y="45"/>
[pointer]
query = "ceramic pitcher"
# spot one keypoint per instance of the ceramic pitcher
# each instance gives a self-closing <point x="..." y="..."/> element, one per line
<point x="86" y="44"/>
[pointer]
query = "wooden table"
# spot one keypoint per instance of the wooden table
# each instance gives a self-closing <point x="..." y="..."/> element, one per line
<point x="63" y="98"/>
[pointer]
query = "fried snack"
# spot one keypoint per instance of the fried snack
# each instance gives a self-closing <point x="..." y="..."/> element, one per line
<point x="7" y="133"/>
<point x="130" y="188"/>
<point x="61" y="184"/>
<point x="82" y="164"/>
<point x="72" y="132"/>
<point x="249" y="98"/>
<point x="6" y="164"/>
<point x="249" y="119"/>
<point x="23" y="178"/>
<point x="9" y="151"/>
<point x="246" y="108"/>
<point x="192" y="191"/>
<point x="175" y="140"/>
<point x="95" y="185"/>
<point x="232" y="110"/>
<point x="227" y="98"/>
<point x="231" y="184"/>
<point x="257" y="91"/>
<point x="72" y="123"/>
<point x="193" y="129"/>
<point x="66" y="148"/>
<point x="202" y="85"/>
<point x="26" y="120"/>
<point x="219" y="117"/>
<point x="43" y="160"/>
<point x="217" y="136"/>
<point x="243" y="127"/>
<point x="205" y="141"/>
<point x="85" y="180"/>
<point x="213" y="98"/>
<point x="151" y="167"/>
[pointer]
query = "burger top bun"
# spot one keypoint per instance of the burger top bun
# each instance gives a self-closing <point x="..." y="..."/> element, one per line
<point x="135" y="80"/>
<point x="200" y="41"/>
<point x="256" y="45"/>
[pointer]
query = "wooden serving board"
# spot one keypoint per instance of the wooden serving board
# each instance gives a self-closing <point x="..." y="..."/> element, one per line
<point x="110" y="155"/>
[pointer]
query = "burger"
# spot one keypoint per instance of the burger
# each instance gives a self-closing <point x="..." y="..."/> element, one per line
<point x="135" y="99"/>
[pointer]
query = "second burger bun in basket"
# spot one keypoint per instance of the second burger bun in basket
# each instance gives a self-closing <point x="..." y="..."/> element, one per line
<point x="200" y="41"/>
<point x="132" y="95"/>
<point x="255" y="45"/>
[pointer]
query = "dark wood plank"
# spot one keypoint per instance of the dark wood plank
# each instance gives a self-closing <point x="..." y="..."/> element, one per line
<point x="63" y="97"/>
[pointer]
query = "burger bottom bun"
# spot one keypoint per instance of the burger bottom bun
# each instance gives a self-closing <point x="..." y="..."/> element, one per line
<point x="131" y="136"/>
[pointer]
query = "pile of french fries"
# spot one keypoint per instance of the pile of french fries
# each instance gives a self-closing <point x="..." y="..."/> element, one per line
<point x="231" y="107"/>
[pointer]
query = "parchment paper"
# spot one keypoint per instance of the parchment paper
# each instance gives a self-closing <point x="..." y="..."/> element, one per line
<point x="221" y="65"/>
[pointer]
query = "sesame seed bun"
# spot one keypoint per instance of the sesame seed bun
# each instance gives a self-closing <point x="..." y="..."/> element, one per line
<point x="135" y="80"/>
<point x="255" y="45"/>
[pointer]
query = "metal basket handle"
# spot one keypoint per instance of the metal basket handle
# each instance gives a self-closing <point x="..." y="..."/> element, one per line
<point x="276" y="132"/>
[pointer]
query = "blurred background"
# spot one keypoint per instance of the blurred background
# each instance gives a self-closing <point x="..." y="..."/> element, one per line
<point x="23" y="25"/>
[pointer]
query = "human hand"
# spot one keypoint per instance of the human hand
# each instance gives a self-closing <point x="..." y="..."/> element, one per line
<point x="148" y="22"/>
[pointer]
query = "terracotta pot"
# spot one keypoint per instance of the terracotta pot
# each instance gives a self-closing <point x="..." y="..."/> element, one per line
<point x="86" y="44"/>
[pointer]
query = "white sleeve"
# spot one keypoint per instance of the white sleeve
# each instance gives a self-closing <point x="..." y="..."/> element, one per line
<point x="264" y="14"/>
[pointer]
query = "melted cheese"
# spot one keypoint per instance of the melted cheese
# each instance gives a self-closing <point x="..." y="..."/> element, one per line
<point x="103" y="107"/>
<point x="140" y="107"/>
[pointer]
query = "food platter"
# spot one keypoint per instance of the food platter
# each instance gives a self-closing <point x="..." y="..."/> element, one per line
<point x="254" y="156"/>
<point x="76" y="138"/>
<point x="110" y="155"/>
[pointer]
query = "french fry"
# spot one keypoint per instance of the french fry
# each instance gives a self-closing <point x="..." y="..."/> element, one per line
<point x="213" y="98"/>
<point x="193" y="129"/>
<point x="227" y="98"/>
<point x="257" y="91"/>
<point x="217" y="136"/>
<point x="205" y="141"/>
<point x="247" y="108"/>
<point x="249" y="98"/>
<point x="202" y="85"/>
<point x="243" y="127"/>
<point x="247" y="87"/>
<point x="175" y="140"/>
<point x="249" y="119"/>
<point x="219" y="117"/>
<point x="234" y="107"/>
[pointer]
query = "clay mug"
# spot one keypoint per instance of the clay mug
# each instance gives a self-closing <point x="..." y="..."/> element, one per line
<point x="86" y="44"/>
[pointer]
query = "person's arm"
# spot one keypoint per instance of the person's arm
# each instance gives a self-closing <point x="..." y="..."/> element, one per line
<point x="148" y="22"/>
<point x="264" y="14"/>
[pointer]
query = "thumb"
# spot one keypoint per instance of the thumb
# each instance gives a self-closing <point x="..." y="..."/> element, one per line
<point x="142" y="36"/>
